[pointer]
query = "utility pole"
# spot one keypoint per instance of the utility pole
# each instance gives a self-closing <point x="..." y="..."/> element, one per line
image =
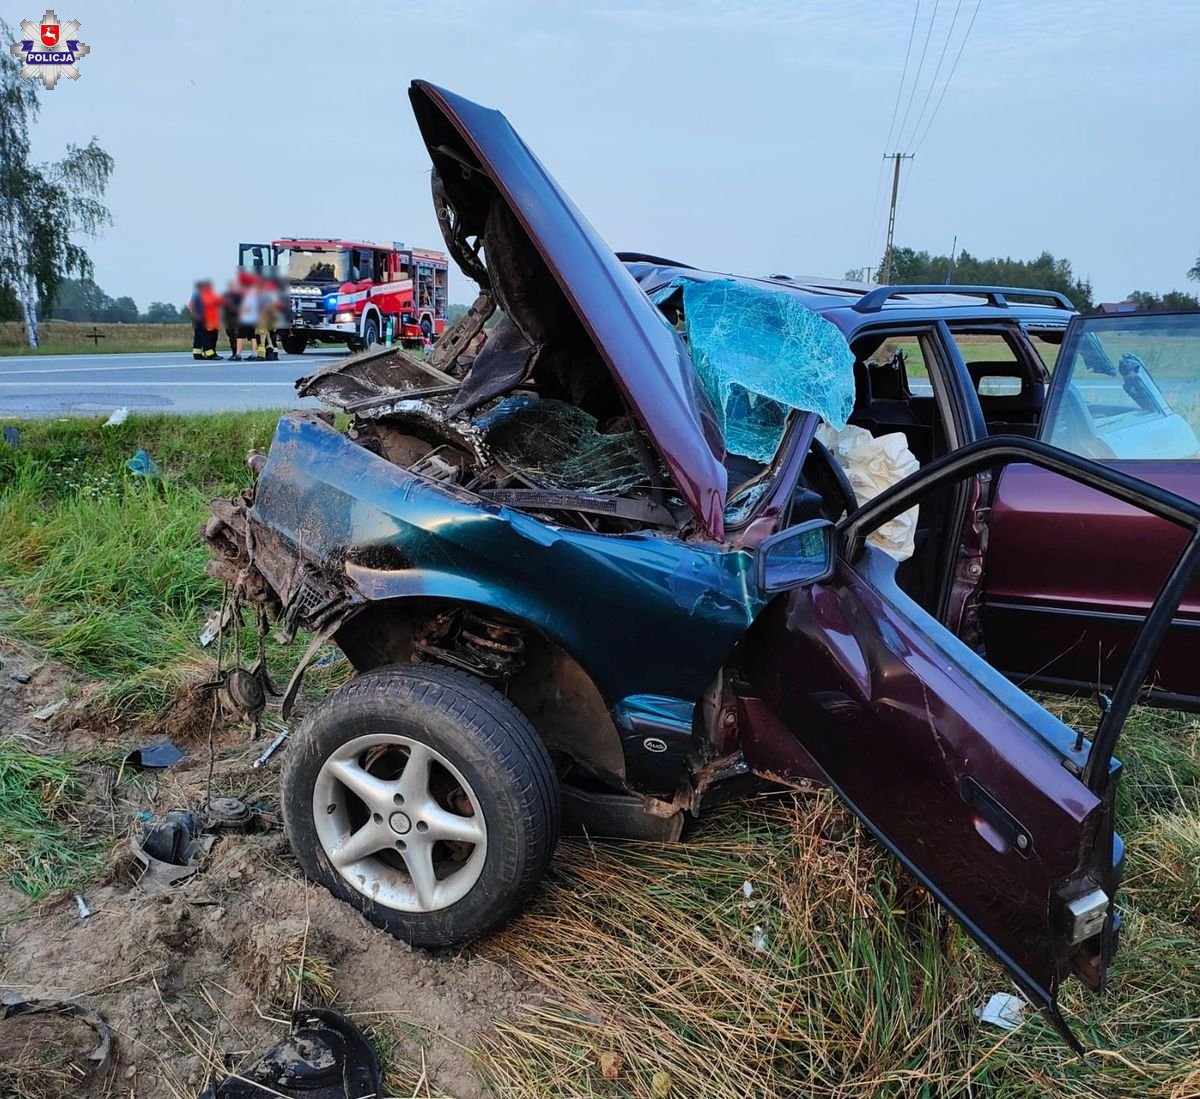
<point x="950" y="269"/>
<point x="885" y="276"/>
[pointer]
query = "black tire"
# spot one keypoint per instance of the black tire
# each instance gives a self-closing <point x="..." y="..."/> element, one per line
<point x="497" y="752"/>
<point x="427" y="327"/>
<point x="293" y="344"/>
<point x="370" y="332"/>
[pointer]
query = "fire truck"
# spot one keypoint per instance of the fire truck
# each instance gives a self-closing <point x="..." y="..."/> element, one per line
<point x="354" y="292"/>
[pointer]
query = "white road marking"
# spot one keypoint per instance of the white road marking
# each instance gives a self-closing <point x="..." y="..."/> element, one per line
<point x="156" y="385"/>
<point x="100" y="369"/>
<point x="90" y="356"/>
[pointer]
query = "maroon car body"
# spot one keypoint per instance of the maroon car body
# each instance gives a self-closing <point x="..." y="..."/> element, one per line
<point x="658" y="638"/>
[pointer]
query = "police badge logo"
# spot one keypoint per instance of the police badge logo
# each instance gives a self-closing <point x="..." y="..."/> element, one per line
<point x="58" y="49"/>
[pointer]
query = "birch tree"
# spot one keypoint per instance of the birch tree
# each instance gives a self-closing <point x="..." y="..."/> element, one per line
<point x="44" y="208"/>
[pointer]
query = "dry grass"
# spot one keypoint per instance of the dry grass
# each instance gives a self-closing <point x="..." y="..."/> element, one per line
<point x="836" y="976"/>
<point x="45" y="1057"/>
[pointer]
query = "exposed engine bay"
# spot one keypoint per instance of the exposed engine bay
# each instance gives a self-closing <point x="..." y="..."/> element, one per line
<point x="538" y="454"/>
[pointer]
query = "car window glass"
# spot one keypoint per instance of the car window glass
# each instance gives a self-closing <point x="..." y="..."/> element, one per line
<point x="995" y="385"/>
<point x="991" y="347"/>
<point x="992" y="362"/>
<point x="1129" y="387"/>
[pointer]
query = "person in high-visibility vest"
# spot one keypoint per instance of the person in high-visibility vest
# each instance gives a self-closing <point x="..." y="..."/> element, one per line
<point x="210" y="306"/>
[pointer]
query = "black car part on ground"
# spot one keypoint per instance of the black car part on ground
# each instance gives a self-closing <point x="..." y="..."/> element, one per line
<point x="102" y="1052"/>
<point x="172" y="848"/>
<point x="324" y="1056"/>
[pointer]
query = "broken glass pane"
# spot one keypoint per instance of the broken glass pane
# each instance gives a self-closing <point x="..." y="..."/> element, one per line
<point x="558" y="446"/>
<point x="761" y="353"/>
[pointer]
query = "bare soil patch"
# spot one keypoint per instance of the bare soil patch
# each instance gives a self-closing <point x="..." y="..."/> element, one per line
<point x="197" y="977"/>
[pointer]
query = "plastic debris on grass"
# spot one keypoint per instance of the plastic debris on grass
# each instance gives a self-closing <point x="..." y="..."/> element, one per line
<point x="154" y="756"/>
<point x="142" y="465"/>
<point x="760" y="354"/>
<point x="118" y="417"/>
<point x="49" y="711"/>
<point x="1003" y="1010"/>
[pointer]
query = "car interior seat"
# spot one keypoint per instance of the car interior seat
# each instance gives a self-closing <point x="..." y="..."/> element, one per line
<point x="1008" y="412"/>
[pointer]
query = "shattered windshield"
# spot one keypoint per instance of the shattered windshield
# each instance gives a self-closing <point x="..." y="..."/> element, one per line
<point x="760" y="355"/>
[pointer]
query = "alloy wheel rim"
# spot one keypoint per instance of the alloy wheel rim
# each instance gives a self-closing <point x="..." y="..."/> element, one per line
<point x="399" y="823"/>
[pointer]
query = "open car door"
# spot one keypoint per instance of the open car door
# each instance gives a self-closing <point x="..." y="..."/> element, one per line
<point x="1003" y="812"/>
<point x="1070" y="573"/>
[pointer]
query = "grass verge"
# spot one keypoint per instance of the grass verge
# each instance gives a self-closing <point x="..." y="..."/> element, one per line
<point x="104" y="571"/>
<point x="72" y="338"/>
<point x="837" y="975"/>
<point x="42" y="848"/>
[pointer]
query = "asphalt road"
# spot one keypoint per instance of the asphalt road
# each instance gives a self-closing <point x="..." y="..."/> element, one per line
<point x="34" y="386"/>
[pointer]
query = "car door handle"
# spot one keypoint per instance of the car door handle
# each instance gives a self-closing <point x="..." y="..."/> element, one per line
<point x="993" y="822"/>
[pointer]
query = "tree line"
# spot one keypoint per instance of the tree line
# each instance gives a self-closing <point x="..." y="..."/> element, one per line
<point x="1043" y="272"/>
<point x="82" y="300"/>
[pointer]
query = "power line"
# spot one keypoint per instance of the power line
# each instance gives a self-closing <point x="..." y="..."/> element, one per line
<point x="877" y="203"/>
<point x="949" y="75"/>
<point x="933" y="80"/>
<point x="903" y="73"/>
<point x="920" y="65"/>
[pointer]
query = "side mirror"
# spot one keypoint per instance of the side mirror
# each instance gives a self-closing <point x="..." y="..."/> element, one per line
<point x="804" y="554"/>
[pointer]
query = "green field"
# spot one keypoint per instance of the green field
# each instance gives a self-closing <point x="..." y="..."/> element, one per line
<point x="836" y="976"/>
<point x="69" y="338"/>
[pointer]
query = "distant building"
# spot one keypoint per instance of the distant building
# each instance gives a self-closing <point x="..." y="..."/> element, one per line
<point x="1117" y="307"/>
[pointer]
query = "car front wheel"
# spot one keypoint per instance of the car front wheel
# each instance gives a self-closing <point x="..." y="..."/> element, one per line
<point x="425" y="799"/>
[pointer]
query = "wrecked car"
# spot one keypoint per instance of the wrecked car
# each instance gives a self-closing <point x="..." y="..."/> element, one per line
<point x="600" y="565"/>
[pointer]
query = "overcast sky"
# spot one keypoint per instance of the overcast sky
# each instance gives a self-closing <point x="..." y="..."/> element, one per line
<point x="732" y="134"/>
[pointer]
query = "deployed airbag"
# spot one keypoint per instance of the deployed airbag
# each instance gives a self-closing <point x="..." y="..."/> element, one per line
<point x="873" y="463"/>
<point x="761" y="353"/>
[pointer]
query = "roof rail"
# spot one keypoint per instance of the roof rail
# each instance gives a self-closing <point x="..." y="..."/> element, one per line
<point x="872" y="301"/>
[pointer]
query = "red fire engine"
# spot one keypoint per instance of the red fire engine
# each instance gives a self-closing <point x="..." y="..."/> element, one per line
<point x="353" y="292"/>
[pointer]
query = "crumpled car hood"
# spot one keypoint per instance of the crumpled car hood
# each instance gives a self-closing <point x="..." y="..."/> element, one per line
<point x="487" y="183"/>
